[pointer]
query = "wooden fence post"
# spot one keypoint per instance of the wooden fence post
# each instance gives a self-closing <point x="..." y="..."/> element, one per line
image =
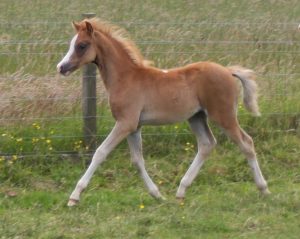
<point x="89" y="101"/>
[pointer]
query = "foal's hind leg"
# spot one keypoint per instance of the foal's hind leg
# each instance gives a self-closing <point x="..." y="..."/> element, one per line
<point x="206" y="142"/>
<point x="245" y="143"/>
<point x="135" y="145"/>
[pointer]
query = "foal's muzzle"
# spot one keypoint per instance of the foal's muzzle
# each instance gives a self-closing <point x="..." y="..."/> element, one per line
<point x="66" y="68"/>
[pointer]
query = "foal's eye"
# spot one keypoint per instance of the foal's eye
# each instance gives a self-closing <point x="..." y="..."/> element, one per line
<point x="82" y="46"/>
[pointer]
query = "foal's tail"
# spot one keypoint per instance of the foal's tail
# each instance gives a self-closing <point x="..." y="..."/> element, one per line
<point x="247" y="77"/>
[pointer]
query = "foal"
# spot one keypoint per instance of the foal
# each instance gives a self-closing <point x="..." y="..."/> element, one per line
<point x="141" y="95"/>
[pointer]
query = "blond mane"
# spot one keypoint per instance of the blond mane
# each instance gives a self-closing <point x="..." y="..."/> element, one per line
<point x="120" y="35"/>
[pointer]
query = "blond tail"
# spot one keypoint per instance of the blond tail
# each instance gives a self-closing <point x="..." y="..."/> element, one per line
<point x="247" y="77"/>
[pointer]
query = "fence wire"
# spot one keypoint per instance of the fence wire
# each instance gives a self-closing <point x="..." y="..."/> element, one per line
<point x="13" y="48"/>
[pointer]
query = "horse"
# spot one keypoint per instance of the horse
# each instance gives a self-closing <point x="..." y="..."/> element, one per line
<point x="141" y="94"/>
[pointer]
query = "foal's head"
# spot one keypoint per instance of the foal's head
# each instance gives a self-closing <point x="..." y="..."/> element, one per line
<point x="82" y="49"/>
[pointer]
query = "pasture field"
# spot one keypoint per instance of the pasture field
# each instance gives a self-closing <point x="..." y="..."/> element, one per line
<point x="41" y="150"/>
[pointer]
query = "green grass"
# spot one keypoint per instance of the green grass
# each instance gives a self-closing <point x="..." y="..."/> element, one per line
<point x="36" y="177"/>
<point x="222" y="203"/>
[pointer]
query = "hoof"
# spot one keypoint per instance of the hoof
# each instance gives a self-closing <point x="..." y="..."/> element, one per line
<point x="180" y="200"/>
<point x="265" y="192"/>
<point x="72" y="202"/>
<point x="158" y="197"/>
<point x="156" y="194"/>
<point x="162" y="198"/>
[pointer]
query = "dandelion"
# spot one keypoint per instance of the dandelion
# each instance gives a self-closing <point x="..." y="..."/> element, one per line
<point x="48" y="141"/>
<point x="76" y="147"/>
<point x="36" y="125"/>
<point x="34" y="140"/>
<point x="142" y="206"/>
<point x="14" y="157"/>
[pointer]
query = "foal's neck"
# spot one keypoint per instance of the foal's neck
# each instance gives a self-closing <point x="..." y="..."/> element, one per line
<point x="112" y="60"/>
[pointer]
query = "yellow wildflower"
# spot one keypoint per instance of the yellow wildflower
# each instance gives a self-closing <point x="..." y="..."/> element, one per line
<point x="35" y="140"/>
<point x="36" y="125"/>
<point x="142" y="206"/>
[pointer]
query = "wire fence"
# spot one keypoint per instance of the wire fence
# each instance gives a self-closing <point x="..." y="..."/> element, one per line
<point x="279" y="88"/>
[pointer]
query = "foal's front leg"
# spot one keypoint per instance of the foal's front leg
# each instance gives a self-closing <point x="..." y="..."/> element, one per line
<point x="118" y="133"/>
<point x="135" y="145"/>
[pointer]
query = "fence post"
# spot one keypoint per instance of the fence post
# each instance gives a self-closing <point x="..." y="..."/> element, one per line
<point x="89" y="101"/>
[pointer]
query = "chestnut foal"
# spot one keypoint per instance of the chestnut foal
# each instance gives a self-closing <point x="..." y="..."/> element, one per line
<point x="143" y="95"/>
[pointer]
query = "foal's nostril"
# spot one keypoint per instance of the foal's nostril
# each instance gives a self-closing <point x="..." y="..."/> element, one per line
<point x="62" y="68"/>
<point x="65" y="68"/>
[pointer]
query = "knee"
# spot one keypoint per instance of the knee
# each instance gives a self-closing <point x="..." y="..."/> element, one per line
<point x="249" y="151"/>
<point x="206" y="148"/>
<point x="137" y="162"/>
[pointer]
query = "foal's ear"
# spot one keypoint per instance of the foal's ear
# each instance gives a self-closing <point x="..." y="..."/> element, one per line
<point x="76" y="26"/>
<point x="89" y="28"/>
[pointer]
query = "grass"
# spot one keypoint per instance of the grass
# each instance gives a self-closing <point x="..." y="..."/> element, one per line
<point x="41" y="151"/>
<point x="222" y="203"/>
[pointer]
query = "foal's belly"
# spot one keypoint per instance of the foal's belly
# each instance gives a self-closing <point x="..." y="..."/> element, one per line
<point x="170" y="101"/>
<point x="161" y="117"/>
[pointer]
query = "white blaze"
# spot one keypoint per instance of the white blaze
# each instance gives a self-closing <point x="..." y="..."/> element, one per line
<point x="69" y="53"/>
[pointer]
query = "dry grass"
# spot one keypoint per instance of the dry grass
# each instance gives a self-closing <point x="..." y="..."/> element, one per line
<point x="27" y="96"/>
<point x="258" y="35"/>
